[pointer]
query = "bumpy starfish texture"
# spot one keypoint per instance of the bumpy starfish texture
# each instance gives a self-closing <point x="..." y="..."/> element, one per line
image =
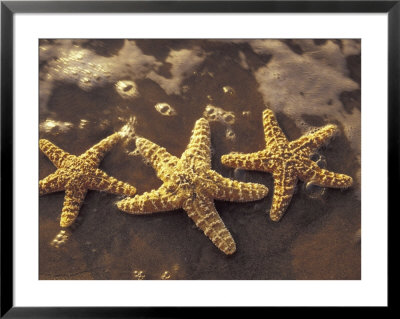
<point x="288" y="162"/>
<point x="78" y="174"/>
<point x="191" y="184"/>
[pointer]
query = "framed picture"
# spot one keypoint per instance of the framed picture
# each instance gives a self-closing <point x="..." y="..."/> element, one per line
<point x="196" y="154"/>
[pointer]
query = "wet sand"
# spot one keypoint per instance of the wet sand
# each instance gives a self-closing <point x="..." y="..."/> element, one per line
<point x="317" y="237"/>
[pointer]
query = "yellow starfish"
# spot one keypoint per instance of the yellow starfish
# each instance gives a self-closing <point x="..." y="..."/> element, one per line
<point x="288" y="161"/>
<point x="77" y="174"/>
<point x="191" y="184"/>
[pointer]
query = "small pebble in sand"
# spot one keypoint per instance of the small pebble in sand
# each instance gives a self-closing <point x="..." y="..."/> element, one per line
<point x="228" y="90"/>
<point x="166" y="275"/>
<point x="60" y="239"/>
<point x="138" y="275"/>
<point x="165" y="109"/>
<point x="213" y="113"/>
<point x="127" y="89"/>
<point x="230" y="134"/>
<point x="229" y="118"/>
<point x="83" y="123"/>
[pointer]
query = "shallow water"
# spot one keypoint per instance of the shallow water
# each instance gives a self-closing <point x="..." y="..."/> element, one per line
<point x="306" y="83"/>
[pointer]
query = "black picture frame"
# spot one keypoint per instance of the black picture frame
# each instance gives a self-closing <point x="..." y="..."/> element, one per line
<point x="9" y="8"/>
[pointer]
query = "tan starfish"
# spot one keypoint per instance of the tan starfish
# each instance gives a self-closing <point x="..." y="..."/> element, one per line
<point x="77" y="174"/>
<point x="288" y="161"/>
<point x="191" y="184"/>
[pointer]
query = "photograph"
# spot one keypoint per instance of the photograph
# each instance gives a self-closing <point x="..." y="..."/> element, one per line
<point x="199" y="159"/>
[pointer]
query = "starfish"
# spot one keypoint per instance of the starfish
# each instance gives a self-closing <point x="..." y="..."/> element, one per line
<point x="191" y="184"/>
<point x="288" y="162"/>
<point x="77" y="174"/>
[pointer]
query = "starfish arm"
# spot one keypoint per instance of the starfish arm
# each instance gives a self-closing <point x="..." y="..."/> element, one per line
<point x="162" y="161"/>
<point x="309" y="143"/>
<point x="51" y="184"/>
<point x="202" y="211"/>
<point x="102" y="182"/>
<point x="324" y="178"/>
<point x="198" y="151"/>
<point x="227" y="189"/>
<point x="95" y="154"/>
<point x="250" y="161"/>
<point x="284" y="185"/>
<point x="272" y="132"/>
<point x="55" y="154"/>
<point x="73" y="200"/>
<point x="160" y="200"/>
